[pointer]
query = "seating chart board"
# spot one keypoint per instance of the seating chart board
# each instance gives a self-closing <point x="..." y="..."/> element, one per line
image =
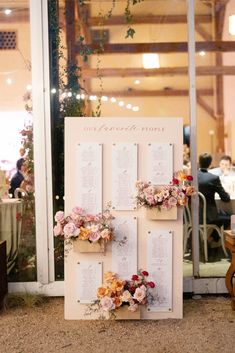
<point x="104" y="157"/>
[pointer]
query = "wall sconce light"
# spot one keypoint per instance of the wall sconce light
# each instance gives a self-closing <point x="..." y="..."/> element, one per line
<point x="151" y="61"/>
<point x="231" y="25"/>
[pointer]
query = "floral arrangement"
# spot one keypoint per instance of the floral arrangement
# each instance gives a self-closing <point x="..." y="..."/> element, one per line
<point x="167" y="196"/>
<point x="84" y="226"/>
<point x="115" y="292"/>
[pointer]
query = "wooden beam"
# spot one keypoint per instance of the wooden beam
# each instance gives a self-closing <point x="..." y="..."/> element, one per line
<point x="17" y="15"/>
<point x="153" y="93"/>
<point x="173" y="47"/>
<point x="205" y="106"/>
<point x="203" y="33"/>
<point x="163" y="71"/>
<point x="147" y="19"/>
<point x="83" y="14"/>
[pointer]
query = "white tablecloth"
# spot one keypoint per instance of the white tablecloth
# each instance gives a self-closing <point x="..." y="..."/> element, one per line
<point x="11" y="211"/>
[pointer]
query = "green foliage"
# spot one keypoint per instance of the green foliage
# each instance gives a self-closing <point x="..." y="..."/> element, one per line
<point x="29" y="300"/>
<point x="130" y="32"/>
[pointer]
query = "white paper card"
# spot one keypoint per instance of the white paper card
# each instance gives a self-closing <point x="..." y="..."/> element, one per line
<point x="89" y="176"/>
<point x="124" y="175"/>
<point x="159" y="264"/>
<point x="124" y="247"/>
<point x="160" y="163"/>
<point x="88" y="279"/>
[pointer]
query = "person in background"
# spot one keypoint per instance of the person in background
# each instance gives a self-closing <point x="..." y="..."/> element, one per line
<point x="18" y="177"/>
<point x="224" y="168"/>
<point x="208" y="185"/>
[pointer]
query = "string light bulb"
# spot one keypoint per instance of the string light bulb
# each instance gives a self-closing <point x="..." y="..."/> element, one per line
<point x="7" y="12"/>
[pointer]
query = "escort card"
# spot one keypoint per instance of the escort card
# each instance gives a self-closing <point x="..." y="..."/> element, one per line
<point x="159" y="264"/>
<point x="160" y="163"/>
<point x="124" y="247"/>
<point x="88" y="171"/>
<point x="88" y="279"/>
<point x="124" y="175"/>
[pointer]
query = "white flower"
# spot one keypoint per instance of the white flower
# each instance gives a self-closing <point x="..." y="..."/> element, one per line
<point x="126" y="296"/>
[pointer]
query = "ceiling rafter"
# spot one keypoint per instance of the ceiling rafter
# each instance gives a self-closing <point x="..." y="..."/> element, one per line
<point x="147" y="19"/>
<point x="171" y="47"/>
<point x="203" y="33"/>
<point x="153" y="93"/>
<point x="205" y="106"/>
<point x="163" y="71"/>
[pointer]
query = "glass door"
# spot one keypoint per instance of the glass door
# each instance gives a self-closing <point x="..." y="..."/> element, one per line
<point x="17" y="207"/>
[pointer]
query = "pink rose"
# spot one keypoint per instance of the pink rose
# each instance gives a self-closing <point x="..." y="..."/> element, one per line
<point x="133" y="307"/>
<point x="90" y="217"/>
<point x="57" y="230"/>
<point x="94" y="236"/>
<point x="59" y="216"/>
<point x="105" y="234"/>
<point x="78" y="211"/>
<point x="70" y="230"/>
<point x="172" y="201"/>
<point x="107" y="304"/>
<point x="139" y="294"/>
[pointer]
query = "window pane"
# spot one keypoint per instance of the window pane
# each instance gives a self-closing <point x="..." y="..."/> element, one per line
<point x="17" y="224"/>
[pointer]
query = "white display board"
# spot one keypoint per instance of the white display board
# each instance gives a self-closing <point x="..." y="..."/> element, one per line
<point x="124" y="247"/>
<point x="88" y="171"/>
<point x="107" y="138"/>
<point x="88" y="279"/>
<point x="124" y="175"/>
<point x="160" y="163"/>
<point x="159" y="259"/>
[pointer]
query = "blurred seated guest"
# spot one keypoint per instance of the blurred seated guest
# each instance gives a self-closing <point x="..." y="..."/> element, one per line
<point x="224" y="168"/>
<point x="18" y="177"/>
<point x="208" y="185"/>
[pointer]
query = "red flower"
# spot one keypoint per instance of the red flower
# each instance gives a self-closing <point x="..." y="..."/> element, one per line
<point x="175" y="181"/>
<point x="135" y="278"/>
<point x="151" y="284"/>
<point x="132" y="289"/>
<point x="189" y="177"/>
<point x="18" y="216"/>
<point x="145" y="273"/>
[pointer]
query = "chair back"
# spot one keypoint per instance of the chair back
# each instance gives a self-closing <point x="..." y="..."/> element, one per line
<point x="20" y="193"/>
<point x="202" y="203"/>
<point x="187" y="219"/>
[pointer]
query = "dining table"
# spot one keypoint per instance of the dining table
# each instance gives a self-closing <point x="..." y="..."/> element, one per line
<point x="11" y="211"/>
